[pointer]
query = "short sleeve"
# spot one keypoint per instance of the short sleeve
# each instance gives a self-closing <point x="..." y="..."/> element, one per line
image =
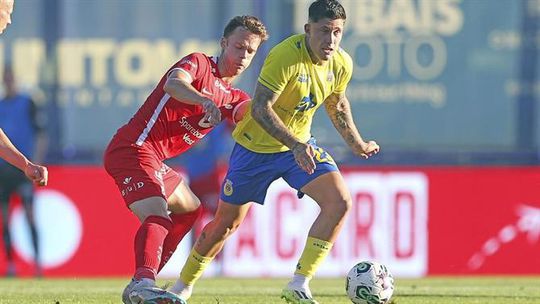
<point x="192" y="66"/>
<point x="229" y="110"/>
<point x="345" y="74"/>
<point x="279" y="67"/>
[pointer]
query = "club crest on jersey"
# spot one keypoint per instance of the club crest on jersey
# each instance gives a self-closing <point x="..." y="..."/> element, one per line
<point x="228" y="187"/>
<point x="306" y="103"/>
<point x="303" y="78"/>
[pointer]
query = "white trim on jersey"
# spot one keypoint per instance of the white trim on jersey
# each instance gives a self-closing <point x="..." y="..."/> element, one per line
<point x="152" y="120"/>
<point x="190" y="79"/>
<point x="236" y="110"/>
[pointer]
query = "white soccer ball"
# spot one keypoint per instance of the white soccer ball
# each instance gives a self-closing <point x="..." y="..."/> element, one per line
<point x="369" y="283"/>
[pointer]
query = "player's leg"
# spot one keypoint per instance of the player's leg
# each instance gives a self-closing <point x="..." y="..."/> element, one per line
<point x="10" y="178"/>
<point x="139" y="177"/>
<point x="26" y="191"/>
<point x="185" y="210"/>
<point x="247" y="180"/>
<point x="330" y="192"/>
<point x="6" y="237"/>
<point x="227" y="219"/>
<point x="148" y="243"/>
<point x="327" y="187"/>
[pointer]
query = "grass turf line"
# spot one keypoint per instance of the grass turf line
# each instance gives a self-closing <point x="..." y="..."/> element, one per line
<point x="432" y="290"/>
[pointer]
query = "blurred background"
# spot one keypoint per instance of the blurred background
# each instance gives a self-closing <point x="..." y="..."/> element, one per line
<point x="448" y="88"/>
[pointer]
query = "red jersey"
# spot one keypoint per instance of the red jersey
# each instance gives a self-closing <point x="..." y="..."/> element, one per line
<point x="171" y="127"/>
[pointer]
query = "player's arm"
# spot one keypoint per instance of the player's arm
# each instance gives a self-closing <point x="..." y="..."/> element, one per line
<point x="178" y="86"/>
<point x="339" y="110"/>
<point x="240" y="111"/>
<point x="37" y="174"/>
<point x="263" y="114"/>
<point x="266" y="117"/>
<point x="10" y="153"/>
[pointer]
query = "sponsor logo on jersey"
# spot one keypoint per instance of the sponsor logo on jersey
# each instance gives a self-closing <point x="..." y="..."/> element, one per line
<point x="189" y="62"/>
<point x="185" y="124"/>
<point x="306" y="103"/>
<point x="227" y="106"/>
<point x="131" y="187"/>
<point x="127" y="180"/>
<point x="188" y="139"/>
<point x="228" y="187"/>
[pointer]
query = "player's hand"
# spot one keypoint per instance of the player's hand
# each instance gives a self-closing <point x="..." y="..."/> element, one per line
<point x="368" y="149"/>
<point x="37" y="174"/>
<point x="212" y="112"/>
<point x="303" y="154"/>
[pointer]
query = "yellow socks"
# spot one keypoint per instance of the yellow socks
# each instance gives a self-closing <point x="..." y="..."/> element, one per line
<point x="313" y="255"/>
<point x="194" y="267"/>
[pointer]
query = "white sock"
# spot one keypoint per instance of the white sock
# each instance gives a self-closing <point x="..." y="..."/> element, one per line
<point x="300" y="282"/>
<point x="181" y="289"/>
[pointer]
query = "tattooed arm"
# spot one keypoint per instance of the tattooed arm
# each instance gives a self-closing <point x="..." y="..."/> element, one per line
<point x="264" y="115"/>
<point x="339" y="111"/>
<point x="262" y="112"/>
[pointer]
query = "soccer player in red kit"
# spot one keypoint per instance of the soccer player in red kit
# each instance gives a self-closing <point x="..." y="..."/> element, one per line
<point x="194" y="95"/>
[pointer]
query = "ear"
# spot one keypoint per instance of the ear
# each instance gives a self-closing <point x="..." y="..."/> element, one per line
<point x="223" y="42"/>
<point x="307" y="28"/>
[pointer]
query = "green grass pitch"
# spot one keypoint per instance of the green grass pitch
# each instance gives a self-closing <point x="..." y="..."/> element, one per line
<point x="451" y="290"/>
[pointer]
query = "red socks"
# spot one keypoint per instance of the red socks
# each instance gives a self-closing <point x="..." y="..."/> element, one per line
<point x="181" y="225"/>
<point x="149" y="246"/>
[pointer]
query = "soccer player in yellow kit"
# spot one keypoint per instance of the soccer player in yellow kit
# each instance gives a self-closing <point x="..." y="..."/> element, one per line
<point x="274" y="140"/>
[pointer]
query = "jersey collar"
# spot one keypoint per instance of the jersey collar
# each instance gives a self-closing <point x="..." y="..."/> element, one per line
<point x="215" y="69"/>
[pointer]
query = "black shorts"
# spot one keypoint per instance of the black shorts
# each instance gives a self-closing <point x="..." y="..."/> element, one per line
<point x="12" y="180"/>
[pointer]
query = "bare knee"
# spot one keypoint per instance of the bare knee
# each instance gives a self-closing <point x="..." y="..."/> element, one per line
<point x="338" y="206"/>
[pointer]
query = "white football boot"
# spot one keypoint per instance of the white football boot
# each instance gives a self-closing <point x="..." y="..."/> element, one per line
<point x="297" y="295"/>
<point x="134" y="286"/>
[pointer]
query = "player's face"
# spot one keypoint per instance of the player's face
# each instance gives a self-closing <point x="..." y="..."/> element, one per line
<point x="324" y="37"/>
<point x="237" y="51"/>
<point x="6" y="8"/>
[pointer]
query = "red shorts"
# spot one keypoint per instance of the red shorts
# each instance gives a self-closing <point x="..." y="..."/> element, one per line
<point x="138" y="172"/>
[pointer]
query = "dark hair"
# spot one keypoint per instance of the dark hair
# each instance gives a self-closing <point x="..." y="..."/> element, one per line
<point x="250" y="23"/>
<point x="331" y="9"/>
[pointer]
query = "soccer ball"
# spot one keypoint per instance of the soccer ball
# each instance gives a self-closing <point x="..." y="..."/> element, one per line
<point x="369" y="283"/>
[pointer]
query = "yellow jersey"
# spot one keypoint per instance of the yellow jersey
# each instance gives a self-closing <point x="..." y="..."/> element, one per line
<point x="302" y="87"/>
